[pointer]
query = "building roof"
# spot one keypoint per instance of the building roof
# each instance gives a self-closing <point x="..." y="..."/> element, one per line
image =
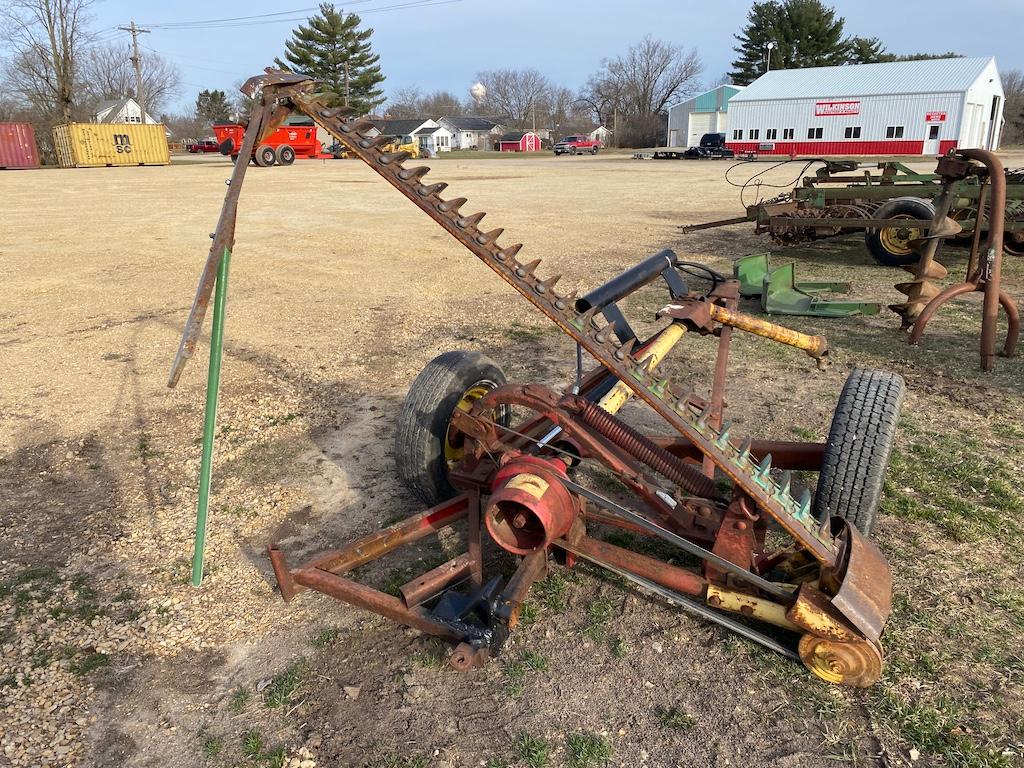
<point x="398" y="127"/>
<point x="928" y="76"/>
<point x="514" y="136"/>
<point x="471" y="123"/>
<point x="427" y="131"/>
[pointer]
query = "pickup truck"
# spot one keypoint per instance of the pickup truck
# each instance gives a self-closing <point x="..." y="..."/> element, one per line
<point x="204" y="146"/>
<point x="712" y="145"/>
<point x="575" y="145"/>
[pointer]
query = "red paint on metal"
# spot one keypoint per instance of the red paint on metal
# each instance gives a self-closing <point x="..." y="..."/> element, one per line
<point x="18" y="146"/>
<point x="935" y="117"/>
<point x="836" y="108"/>
<point x="820" y="148"/>
<point x="946" y="145"/>
<point x="301" y="138"/>
<point x="529" y="507"/>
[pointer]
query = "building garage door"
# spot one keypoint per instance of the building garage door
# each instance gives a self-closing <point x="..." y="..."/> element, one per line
<point x="700" y="123"/>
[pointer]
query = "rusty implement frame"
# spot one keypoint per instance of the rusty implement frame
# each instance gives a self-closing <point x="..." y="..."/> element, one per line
<point x="984" y="266"/>
<point x="695" y="487"/>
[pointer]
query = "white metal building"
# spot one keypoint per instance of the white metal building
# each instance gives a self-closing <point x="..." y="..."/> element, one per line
<point x="891" y="108"/>
<point x="706" y="113"/>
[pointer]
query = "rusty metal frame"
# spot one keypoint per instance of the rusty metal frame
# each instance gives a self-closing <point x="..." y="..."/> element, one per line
<point x="734" y="528"/>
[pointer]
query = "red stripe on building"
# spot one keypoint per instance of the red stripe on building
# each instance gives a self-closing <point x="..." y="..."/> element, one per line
<point x="824" y="148"/>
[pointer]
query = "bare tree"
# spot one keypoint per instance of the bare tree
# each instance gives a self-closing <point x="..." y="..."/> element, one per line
<point x="441" y="104"/>
<point x="46" y="38"/>
<point x="107" y="73"/>
<point x="640" y="85"/>
<point x="405" y="103"/>
<point x="1013" y="91"/>
<point x="520" y="96"/>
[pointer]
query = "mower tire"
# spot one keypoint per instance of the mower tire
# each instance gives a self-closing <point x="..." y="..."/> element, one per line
<point x="265" y="156"/>
<point x="285" y="155"/>
<point x="858" y="448"/>
<point x="424" y="449"/>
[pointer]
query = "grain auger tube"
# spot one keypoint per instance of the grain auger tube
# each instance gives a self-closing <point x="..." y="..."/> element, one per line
<point x="824" y="595"/>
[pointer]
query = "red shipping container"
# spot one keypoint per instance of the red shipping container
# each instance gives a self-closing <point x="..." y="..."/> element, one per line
<point x="18" y="146"/>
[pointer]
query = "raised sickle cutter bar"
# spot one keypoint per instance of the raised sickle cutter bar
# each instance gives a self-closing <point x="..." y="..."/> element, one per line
<point x="838" y="586"/>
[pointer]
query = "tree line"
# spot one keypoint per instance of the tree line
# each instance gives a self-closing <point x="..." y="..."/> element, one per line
<point x="58" y="70"/>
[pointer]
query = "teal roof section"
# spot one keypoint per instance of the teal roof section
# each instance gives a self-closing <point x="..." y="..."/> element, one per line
<point x="715" y="100"/>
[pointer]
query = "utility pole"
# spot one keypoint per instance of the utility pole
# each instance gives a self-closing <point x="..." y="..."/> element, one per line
<point x="346" y="83"/>
<point x="136" y="59"/>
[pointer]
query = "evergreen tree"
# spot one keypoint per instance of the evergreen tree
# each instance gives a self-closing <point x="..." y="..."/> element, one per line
<point x="332" y="48"/>
<point x="868" y="50"/>
<point x="213" y="106"/>
<point x="805" y="33"/>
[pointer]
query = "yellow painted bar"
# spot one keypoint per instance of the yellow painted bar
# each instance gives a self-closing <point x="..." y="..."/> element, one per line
<point x="97" y="145"/>
<point x="748" y="605"/>
<point x="815" y="346"/>
<point x="660" y="347"/>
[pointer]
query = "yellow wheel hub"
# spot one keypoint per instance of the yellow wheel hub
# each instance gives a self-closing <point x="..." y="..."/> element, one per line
<point x="453" y="448"/>
<point x="896" y="240"/>
<point x="857" y="664"/>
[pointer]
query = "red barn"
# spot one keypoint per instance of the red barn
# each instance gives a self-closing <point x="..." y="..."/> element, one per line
<point x="519" y="141"/>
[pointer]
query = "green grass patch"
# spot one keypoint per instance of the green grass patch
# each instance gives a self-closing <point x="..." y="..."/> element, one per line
<point x="600" y="612"/>
<point x="212" y="747"/>
<point x="397" y="761"/>
<point x="252" y="743"/>
<point x="284" y="686"/>
<point x="674" y="718"/>
<point x="432" y="655"/>
<point x="951" y="481"/>
<point x="89" y="662"/>
<point x="586" y="749"/>
<point x="324" y="637"/>
<point x="552" y="592"/>
<point x="239" y="699"/>
<point x="531" y="750"/>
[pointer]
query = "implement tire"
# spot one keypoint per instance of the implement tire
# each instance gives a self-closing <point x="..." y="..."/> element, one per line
<point x="889" y="246"/>
<point x="425" y="450"/>
<point x="858" y="448"/>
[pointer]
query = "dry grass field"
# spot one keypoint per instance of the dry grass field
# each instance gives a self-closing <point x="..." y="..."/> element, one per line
<point x="340" y="292"/>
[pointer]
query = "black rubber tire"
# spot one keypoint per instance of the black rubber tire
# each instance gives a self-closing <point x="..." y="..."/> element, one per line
<point x="425" y="415"/>
<point x="593" y="151"/>
<point x="285" y="155"/>
<point x="859" y="444"/>
<point x="265" y="156"/>
<point x="908" y="207"/>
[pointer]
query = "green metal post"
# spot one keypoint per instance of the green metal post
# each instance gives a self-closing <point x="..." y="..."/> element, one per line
<point x="210" y="419"/>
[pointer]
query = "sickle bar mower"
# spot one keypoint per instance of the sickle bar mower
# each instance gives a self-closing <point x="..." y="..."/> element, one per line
<point x="506" y="463"/>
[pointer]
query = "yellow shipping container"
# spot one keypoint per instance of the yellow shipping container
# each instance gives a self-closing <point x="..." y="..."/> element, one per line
<point x="95" y="145"/>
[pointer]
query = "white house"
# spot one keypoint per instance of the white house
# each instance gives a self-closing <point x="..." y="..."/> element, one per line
<point x="890" y="108"/>
<point x="601" y="134"/>
<point x="428" y="134"/>
<point x="125" y="110"/>
<point x="469" y="132"/>
<point x="706" y="113"/>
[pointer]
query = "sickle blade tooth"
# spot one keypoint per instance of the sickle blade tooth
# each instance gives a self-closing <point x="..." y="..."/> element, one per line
<point x="414" y="174"/>
<point x="357" y="126"/>
<point x="528" y="269"/>
<point x="765" y="466"/>
<point x="508" y="254"/>
<point x="546" y="285"/>
<point x="396" y="158"/>
<point x="625" y="351"/>
<point x="784" y="482"/>
<point x="465" y="222"/>
<point x="745" y="449"/>
<point x="375" y="142"/>
<point x="427" y="190"/>
<point x="484" y="238"/>
<point x="451" y="206"/>
<point x="563" y="302"/>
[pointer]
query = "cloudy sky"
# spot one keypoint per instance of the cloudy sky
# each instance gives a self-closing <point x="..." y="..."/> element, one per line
<point x="441" y="44"/>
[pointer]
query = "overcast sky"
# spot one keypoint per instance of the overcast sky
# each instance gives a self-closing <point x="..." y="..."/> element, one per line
<point x="443" y="46"/>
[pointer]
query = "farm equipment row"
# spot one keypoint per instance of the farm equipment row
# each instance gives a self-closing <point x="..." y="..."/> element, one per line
<point x="891" y="203"/>
<point x="792" y="571"/>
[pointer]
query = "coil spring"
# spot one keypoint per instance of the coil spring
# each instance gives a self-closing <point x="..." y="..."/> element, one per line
<point x="643" y="449"/>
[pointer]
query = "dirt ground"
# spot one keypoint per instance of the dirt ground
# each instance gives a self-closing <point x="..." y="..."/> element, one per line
<point x="340" y="293"/>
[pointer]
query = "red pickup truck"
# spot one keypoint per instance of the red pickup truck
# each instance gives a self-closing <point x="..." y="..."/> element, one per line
<point x="575" y="145"/>
<point x="281" y="147"/>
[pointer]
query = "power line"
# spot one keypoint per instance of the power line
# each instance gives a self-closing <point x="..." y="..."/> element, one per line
<point x="264" y="19"/>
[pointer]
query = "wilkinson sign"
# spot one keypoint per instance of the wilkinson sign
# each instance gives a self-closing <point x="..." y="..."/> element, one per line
<point x="935" y="117"/>
<point x="836" y="108"/>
